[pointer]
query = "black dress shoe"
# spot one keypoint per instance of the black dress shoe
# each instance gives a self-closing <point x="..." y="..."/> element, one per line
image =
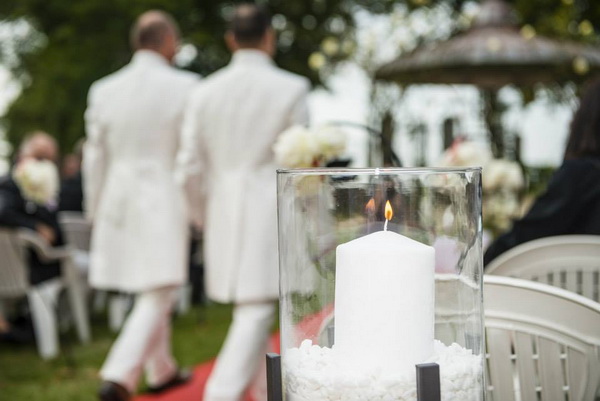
<point x="110" y="391"/>
<point x="179" y="378"/>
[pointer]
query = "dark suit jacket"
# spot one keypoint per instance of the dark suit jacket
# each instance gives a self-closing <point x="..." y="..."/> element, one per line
<point x="571" y="205"/>
<point x="71" y="194"/>
<point x="15" y="211"/>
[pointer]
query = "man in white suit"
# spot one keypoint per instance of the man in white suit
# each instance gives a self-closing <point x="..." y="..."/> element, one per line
<point x="227" y="167"/>
<point x="139" y="243"/>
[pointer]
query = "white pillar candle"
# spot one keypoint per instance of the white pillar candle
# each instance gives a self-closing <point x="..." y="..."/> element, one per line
<point x="384" y="303"/>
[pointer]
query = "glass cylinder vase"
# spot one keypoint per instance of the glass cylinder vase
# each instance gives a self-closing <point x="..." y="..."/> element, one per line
<point x="380" y="271"/>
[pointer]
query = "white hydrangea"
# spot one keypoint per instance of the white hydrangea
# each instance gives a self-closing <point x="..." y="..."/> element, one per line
<point x="299" y="146"/>
<point x="38" y="180"/>
<point x="296" y="147"/>
<point x="331" y="140"/>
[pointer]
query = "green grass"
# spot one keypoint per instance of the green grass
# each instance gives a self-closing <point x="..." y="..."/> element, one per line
<point x="73" y="376"/>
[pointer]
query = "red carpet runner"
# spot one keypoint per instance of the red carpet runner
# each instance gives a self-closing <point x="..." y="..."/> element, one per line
<point x="193" y="391"/>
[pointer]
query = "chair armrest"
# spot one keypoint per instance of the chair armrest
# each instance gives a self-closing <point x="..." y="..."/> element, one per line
<point x="46" y="252"/>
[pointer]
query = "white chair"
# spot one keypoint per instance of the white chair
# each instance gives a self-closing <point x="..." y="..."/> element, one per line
<point x="571" y="262"/>
<point x="77" y="230"/>
<point x="78" y="233"/>
<point x="541" y="342"/>
<point x="42" y="298"/>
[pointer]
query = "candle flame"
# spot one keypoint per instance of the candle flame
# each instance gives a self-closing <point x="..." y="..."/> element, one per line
<point x="389" y="212"/>
<point x="370" y="206"/>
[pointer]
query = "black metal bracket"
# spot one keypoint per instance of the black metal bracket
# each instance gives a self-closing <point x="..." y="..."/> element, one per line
<point x="274" y="388"/>
<point x="428" y="380"/>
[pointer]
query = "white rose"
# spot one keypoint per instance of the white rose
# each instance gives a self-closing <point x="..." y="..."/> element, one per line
<point x="331" y="140"/>
<point x="499" y="173"/>
<point x="38" y="180"/>
<point x="296" y="147"/>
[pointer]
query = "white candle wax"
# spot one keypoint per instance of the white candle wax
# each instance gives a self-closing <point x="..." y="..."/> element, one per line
<point x="384" y="303"/>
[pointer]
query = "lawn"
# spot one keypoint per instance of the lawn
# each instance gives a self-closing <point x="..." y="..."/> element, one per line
<point x="197" y="336"/>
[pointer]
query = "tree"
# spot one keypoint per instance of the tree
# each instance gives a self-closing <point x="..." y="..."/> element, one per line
<point x="76" y="43"/>
<point x="79" y="42"/>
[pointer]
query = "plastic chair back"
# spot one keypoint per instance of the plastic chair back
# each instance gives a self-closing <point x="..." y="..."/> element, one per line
<point x="571" y="262"/>
<point x="541" y="342"/>
<point x="14" y="280"/>
<point x="77" y="230"/>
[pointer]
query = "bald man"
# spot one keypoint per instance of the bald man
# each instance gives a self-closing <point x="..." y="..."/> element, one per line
<point x="139" y="243"/>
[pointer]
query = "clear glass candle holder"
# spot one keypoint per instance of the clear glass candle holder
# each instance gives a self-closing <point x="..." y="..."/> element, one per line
<point x="380" y="270"/>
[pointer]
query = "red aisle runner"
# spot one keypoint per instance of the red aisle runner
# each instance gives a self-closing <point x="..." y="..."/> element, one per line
<point x="190" y="392"/>
<point x="194" y="390"/>
<point x="310" y="327"/>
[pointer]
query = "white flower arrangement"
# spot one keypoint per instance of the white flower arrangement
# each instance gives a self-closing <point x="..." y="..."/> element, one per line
<point x="502" y="180"/>
<point x="38" y="180"/>
<point x="299" y="147"/>
<point x="500" y="173"/>
<point x="465" y="154"/>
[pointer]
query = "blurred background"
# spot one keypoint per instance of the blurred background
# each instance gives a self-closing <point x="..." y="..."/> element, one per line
<point x="414" y="78"/>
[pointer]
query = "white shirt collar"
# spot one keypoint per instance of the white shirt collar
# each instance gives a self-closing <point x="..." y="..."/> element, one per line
<point x="251" y="56"/>
<point x="148" y="57"/>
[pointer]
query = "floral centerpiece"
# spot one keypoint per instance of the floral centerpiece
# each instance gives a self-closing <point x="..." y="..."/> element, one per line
<point x="302" y="147"/>
<point x="502" y="182"/>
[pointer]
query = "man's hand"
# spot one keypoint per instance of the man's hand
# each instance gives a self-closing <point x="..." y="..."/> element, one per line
<point x="46" y="232"/>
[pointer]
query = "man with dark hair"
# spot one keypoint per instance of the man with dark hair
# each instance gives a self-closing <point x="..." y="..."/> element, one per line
<point x="250" y="25"/>
<point x="139" y="243"/>
<point x="71" y="186"/>
<point x="232" y="121"/>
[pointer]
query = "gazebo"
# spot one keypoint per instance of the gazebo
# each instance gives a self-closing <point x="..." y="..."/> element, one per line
<point x="494" y="52"/>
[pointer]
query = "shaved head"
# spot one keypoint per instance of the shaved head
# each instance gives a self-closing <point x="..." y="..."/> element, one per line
<point x="155" y="30"/>
<point x="39" y="145"/>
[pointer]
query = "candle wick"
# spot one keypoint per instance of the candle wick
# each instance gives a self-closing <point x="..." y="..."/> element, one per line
<point x="385" y="225"/>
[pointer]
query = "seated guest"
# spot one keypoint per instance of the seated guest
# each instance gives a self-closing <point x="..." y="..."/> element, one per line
<point x="28" y="199"/>
<point x="71" y="188"/>
<point x="571" y="203"/>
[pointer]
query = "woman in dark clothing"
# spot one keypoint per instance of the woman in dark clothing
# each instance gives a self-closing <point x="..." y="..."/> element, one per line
<point x="571" y="203"/>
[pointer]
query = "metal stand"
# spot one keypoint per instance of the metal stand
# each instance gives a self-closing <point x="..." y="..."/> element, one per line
<point x="428" y="380"/>
<point x="274" y="389"/>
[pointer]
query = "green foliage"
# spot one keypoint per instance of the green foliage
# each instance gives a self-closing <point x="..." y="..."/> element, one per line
<point x="579" y="20"/>
<point x="73" y="376"/>
<point x="86" y="40"/>
<point x="79" y="42"/>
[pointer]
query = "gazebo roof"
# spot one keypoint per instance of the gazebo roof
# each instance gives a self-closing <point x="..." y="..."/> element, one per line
<point x="493" y="53"/>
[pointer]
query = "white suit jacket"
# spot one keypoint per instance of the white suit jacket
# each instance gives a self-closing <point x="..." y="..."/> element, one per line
<point x="227" y="167"/>
<point x="133" y="123"/>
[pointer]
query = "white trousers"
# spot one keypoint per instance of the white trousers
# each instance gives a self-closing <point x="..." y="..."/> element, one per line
<point x="242" y="354"/>
<point x="144" y="342"/>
